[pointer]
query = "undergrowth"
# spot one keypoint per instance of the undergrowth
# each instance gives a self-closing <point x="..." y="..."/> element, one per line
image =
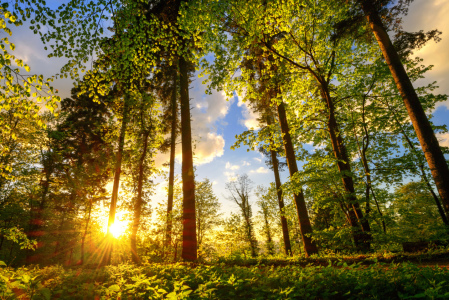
<point x="225" y="280"/>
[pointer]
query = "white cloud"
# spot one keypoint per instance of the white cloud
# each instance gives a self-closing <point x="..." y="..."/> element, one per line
<point x="231" y="167"/>
<point x="231" y="176"/>
<point x="443" y="138"/>
<point x="258" y="159"/>
<point x="245" y="163"/>
<point x="428" y="15"/>
<point x="209" y="147"/>
<point x="261" y="170"/>
<point x="249" y="117"/>
<point x="208" y="110"/>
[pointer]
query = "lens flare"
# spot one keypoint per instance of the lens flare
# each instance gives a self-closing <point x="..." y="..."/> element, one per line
<point x="118" y="228"/>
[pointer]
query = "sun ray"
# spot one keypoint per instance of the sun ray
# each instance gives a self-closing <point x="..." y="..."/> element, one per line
<point x="119" y="227"/>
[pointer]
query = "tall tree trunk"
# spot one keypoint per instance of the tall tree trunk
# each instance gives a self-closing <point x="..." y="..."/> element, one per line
<point x="301" y="209"/>
<point x="189" y="242"/>
<point x="118" y="168"/>
<point x="83" y="240"/>
<point x="429" y="143"/>
<point x="139" y="201"/>
<point x="361" y="239"/>
<point x="171" y="175"/>
<point x="277" y="181"/>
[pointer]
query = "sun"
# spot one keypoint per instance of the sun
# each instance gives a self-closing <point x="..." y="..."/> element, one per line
<point x="119" y="227"/>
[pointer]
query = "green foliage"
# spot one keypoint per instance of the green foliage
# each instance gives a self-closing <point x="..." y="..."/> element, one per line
<point x="20" y="94"/>
<point x="16" y="235"/>
<point x="208" y="217"/>
<point x="417" y="214"/>
<point x="221" y="281"/>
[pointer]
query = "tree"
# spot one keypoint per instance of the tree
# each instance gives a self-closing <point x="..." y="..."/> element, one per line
<point x="173" y="135"/>
<point x="424" y="131"/>
<point x="274" y="164"/>
<point x="147" y="125"/>
<point x="167" y="13"/>
<point x="16" y="89"/>
<point x="207" y="212"/>
<point x="416" y="214"/>
<point x="265" y="206"/>
<point x="86" y="152"/>
<point x="239" y="190"/>
<point x="189" y="245"/>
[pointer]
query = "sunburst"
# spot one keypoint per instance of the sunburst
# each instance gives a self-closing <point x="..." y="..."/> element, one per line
<point x="118" y="228"/>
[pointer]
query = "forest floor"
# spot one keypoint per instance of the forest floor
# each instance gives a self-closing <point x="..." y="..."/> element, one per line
<point x="423" y="275"/>
<point x="436" y="257"/>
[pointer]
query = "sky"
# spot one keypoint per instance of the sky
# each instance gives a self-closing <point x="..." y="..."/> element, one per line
<point x="216" y="120"/>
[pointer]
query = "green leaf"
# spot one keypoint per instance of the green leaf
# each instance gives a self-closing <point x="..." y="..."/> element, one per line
<point x="46" y="293"/>
<point x="114" y="288"/>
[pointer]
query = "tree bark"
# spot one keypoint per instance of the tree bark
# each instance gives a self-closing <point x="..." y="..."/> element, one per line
<point x="118" y="165"/>
<point x="189" y="242"/>
<point x="277" y="181"/>
<point x="301" y="209"/>
<point x="171" y="175"/>
<point x="139" y="201"/>
<point x="429" y="143"/>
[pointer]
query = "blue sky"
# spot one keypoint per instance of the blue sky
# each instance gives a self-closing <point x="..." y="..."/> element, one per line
<point x="216" y="121"/>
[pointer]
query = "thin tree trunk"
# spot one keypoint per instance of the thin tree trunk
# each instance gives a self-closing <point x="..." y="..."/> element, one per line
<point x="369" y="187"/>
<point x="139" y="201"/>
<point x="301" y="209"/>
<point x="277" y="181"/>
<point x="426" y="180"/>
<point x="199" y="218"/>
<point x="361" y="239"/>
<point x="189" y="242"/>
<point x="426" y="136"/>
<point x="83" y="240"/>
<point x="37" y="221"/>
<point x="118" y="168"/>
<point x="58" y="233"/>
<point x="267" y="229"/>
<point x="362" y="150"/>
<point x="421" y="167"/>
<point x="246" y="209"/>
<point x="171" y="175"/>
<point x="250" y="236"/>
<point x="378" y="210"/>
